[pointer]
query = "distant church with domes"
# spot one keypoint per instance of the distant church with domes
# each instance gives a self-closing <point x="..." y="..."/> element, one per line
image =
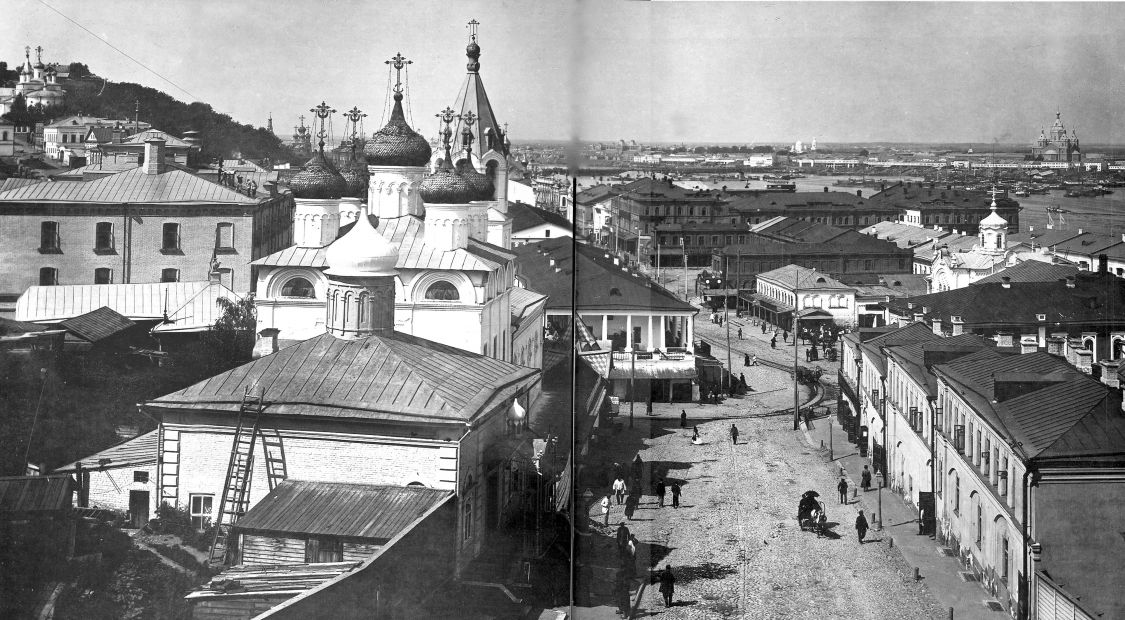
<point x="38" y="84"/>
<point x="444" y="214"/>
<point x="1058" y="145"/>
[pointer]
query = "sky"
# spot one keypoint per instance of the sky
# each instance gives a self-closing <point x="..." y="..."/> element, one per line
<point x="735" y="72"/>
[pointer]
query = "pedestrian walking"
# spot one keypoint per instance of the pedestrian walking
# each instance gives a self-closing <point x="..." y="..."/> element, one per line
<point x="773" y="342"/>
<point x="622" y="536"/>
<point x="921" y="521"/>
<point x="695" y="440"/>
<point x="630" y="557"/>
<point x="660" y="491"/>
<point x="675" y="495"/>
<point x="740" y="333"/>
<point x="842" y="487"/>
<point x="648" y="406"/>
<point x="742" y="382"/>
<point x="619" y="489"/>
<point x="861" y="526"/>
<point x="754" y="361"/>
<point x="605" y="510"/>
<point x="763" y="328"/>
<point x="865" y="479"/>
<point x="667" y="585"/>
<point x="746" y="359"/>
<point x="733" y="434"/>
<point x="785" y="336"/>
<point x="683" y="418"/>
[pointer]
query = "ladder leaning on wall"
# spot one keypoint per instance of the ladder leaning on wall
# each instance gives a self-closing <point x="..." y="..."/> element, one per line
<point x="240" y="469"/>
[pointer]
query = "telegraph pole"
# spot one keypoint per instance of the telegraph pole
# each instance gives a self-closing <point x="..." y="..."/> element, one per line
<point x="796" y="384"/>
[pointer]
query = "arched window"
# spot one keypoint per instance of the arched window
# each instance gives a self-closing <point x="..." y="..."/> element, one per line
<point x="442" y="291"/>
<point x="298" y="287"/>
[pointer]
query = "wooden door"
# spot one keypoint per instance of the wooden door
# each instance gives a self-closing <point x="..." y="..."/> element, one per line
<point x="138" y="508"/>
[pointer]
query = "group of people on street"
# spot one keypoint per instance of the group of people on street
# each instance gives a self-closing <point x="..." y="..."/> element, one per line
<point x="662" y="490"/>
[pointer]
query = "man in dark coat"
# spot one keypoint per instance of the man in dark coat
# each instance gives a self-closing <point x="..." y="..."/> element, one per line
<point x="842" y="487"/>
<point x="733" y="434"/>
<point x="861" y="526"/>
<point x="865" y="479"/>
<point x="745" y="359"/>
<point x="675" y="495"/>
<point x="773" y="342"/>
<point x="622" y="536"/>
<point x="683" y="418"/>
<point x="660" y="491"/>
<point x="667" y="585"/>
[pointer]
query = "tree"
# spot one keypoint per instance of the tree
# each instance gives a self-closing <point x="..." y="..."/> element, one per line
<point x="231" y="338"/>
<point x="864" y="153"/>
<point x="78" y="70"/>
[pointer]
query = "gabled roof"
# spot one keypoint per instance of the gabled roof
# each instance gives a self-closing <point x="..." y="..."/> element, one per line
<point x="1095" y="299"/>
<point x="138" y="451"/>
<point x="788" y="228"/>
<point x="345" y="510"/>
<point x="97" y="325"/>
<point x="7" y="184"/>
<point x="171" y="187"/>
<point x="1088" y="243"/>
<point x="526" y="216"/>
<point x="385" y="377"/>
<point x="169" y="139"/>
<point x="801" y="277"/>
<point x="1031" y="271"/>
<point x="595" y="194"/>
<point x="1042" y="238"/>
<point x="9" y="327"/>
<point x="873" y="347"/>
<point x="912" y="356"/>
<point x="522" y="299"/>
<point x="22" y="496"/>
<point x="77" y="119"/>
<point x="601" y="285"/>
<point x="905" y="235"/>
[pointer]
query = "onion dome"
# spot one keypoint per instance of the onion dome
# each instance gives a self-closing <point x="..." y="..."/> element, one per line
<point x="480" y="184"/>
<point x="362" y="252"/>
<point x="356" y="176"/>
<point x="397" y="144"/>
<point x="472" y="50"/>
<point x="319" y="179"/>
<point x="447" y="186"/>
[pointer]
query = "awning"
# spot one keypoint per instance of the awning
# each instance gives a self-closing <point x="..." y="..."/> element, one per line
<point x="769" y="303"/>
<point x="814" y="313"/>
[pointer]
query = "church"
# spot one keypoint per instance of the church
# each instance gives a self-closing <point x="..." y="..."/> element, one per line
<point x="38" y="84"/>
<point x="1058" y="145"/>
<point x="455" y="279"/>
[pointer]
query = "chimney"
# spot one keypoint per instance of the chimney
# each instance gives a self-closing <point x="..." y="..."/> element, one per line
<point x="958" y="325"/>
<point x="1004" y="339"/>
<point x="825" y="190"/>
<point x="267" y="342"/>
<point x="919" y="317"/>
<point x="1072" y="347"/>
<point x="154" y="156"/>
<point x="936" y="325"/>
<point x="1029" y="344"/>
<point x="1006" y="281"/>
<point x="1109" y="373"/>
<point x="1083" y="360"/>
<point x="1055" y="345"/>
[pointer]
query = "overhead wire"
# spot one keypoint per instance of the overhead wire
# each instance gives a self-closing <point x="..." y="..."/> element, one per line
<point x="119" y="50"/>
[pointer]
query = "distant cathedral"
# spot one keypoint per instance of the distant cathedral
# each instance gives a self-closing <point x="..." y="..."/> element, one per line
<point x="1058" y="146"/>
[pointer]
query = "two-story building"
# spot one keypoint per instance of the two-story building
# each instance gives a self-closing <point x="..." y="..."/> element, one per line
<point x="153" y="223"/>
<point x="814" y="297"/>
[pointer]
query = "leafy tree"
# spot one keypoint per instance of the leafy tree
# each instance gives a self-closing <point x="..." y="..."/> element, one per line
<point x="231" y="338"/>
<point x="78" y="70"/>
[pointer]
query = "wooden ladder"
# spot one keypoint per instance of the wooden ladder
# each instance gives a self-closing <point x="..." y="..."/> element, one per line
<point x="275" y="456"/>
<point x="240" y="470"/>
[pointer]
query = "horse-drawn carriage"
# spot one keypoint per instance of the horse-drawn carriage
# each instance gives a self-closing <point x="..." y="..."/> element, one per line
<point x="810" y="513"/>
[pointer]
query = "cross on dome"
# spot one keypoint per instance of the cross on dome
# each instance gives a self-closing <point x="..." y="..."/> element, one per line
<point x="473" y="29"/>
<point x="399" y="62"/>
<point x="322" y="112"/>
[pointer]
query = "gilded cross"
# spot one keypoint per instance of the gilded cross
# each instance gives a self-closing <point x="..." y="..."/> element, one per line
<point x="302" y="117"/>
<point x="354" y="115"/>
<point x="39" y="53"/>
<point x="322" y="112"/>
<point x="473" y="29"/>
<point x="398" y="62"/>
<point x="27" y="52"/>
<point x="469" y="118"/>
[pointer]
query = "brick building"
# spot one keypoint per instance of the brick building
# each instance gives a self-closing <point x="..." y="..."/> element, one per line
<point x="929" y="204"/>
<point x="154" y="223"/>
<point x="639" y="207"/>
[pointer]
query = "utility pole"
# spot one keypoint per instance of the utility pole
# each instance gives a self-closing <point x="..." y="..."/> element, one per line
<point x="684" y="249"/>
<point x="796" y="384"/>
<point x="632" y="382"/>
<point x="730" y="364"/>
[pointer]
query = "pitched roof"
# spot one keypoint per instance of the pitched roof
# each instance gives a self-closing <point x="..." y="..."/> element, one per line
<point x="28" y="495"/>
<point x="904" y="235"/>
<point x="340" y="509"/>
<point x="526" y="216"/>
<point x="788" y="228"/>
<point x="391" y="376"/>
<point x="135" y="452"/>
<point x="1095" y="299"/>
<point x="1088" y="243"/>
<point x="142" y="137"/>
<point x="171" y="187"/>
<point x="521" y="299"/>
<point x="1069" y="416"/>
<point x="595" y="194"/>
<point x="1031" y="271"/>
<point x="273" y="580"/>
<point x="1042" y="238"/>
<point x="97" y="324"/>
<point x="192" y="305"/>
<point x="802" y="277"/>
<point x="7" y="184"/>
<point x="599" y="283"/>
<point x="9" y="327"/>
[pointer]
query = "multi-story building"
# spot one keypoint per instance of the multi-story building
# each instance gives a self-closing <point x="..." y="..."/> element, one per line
<point x="835" y="208"/>
<point x="67" y="138"/>
<point x="814" y="296"/>
<point x="929" y="204"/>
<point x="639" y="207"/>
<point x="593" y="210"/>
<point x="995" y="447"/>
<point x="151" y="223"/>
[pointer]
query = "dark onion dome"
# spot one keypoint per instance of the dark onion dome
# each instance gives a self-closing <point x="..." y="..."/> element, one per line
<point x="397" y="144"/>
<point x="480" y="184"/>
<point x="355" y="175"/>
<point x="319" y="179"/>
<point x="447" y="186"/>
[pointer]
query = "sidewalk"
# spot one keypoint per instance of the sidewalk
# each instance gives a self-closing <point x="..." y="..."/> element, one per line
<point x="940" y="573"/>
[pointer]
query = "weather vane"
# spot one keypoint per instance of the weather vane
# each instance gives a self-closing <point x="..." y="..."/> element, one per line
<point x="399" y="62"/>
<point x="322" y="112"/>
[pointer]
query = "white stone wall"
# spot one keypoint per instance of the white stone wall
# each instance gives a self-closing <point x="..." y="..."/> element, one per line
<point x="109" y="488"/>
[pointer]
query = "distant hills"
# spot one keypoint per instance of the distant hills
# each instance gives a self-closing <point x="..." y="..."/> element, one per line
<point x="221" y="135"/>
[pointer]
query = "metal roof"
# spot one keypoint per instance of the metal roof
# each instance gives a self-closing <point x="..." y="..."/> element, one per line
<point x="1031" y="271"/>
<point x="526" y="216"/>
<point x="20" y="495"/>
<point x="340" y="509"/>
<point x="804" y="278"/>
<point x="521" y="299"/>
<point x="135" y="452"/>
<point x="190" y="306"/>
<point x="389" y="376"/>
<point x="134" y="186"/>
<point x="97" y="324"/>
<point x="413" y="253"/>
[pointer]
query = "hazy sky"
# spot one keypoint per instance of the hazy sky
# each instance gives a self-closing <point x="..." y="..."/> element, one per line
<point x="659" y="71"/>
